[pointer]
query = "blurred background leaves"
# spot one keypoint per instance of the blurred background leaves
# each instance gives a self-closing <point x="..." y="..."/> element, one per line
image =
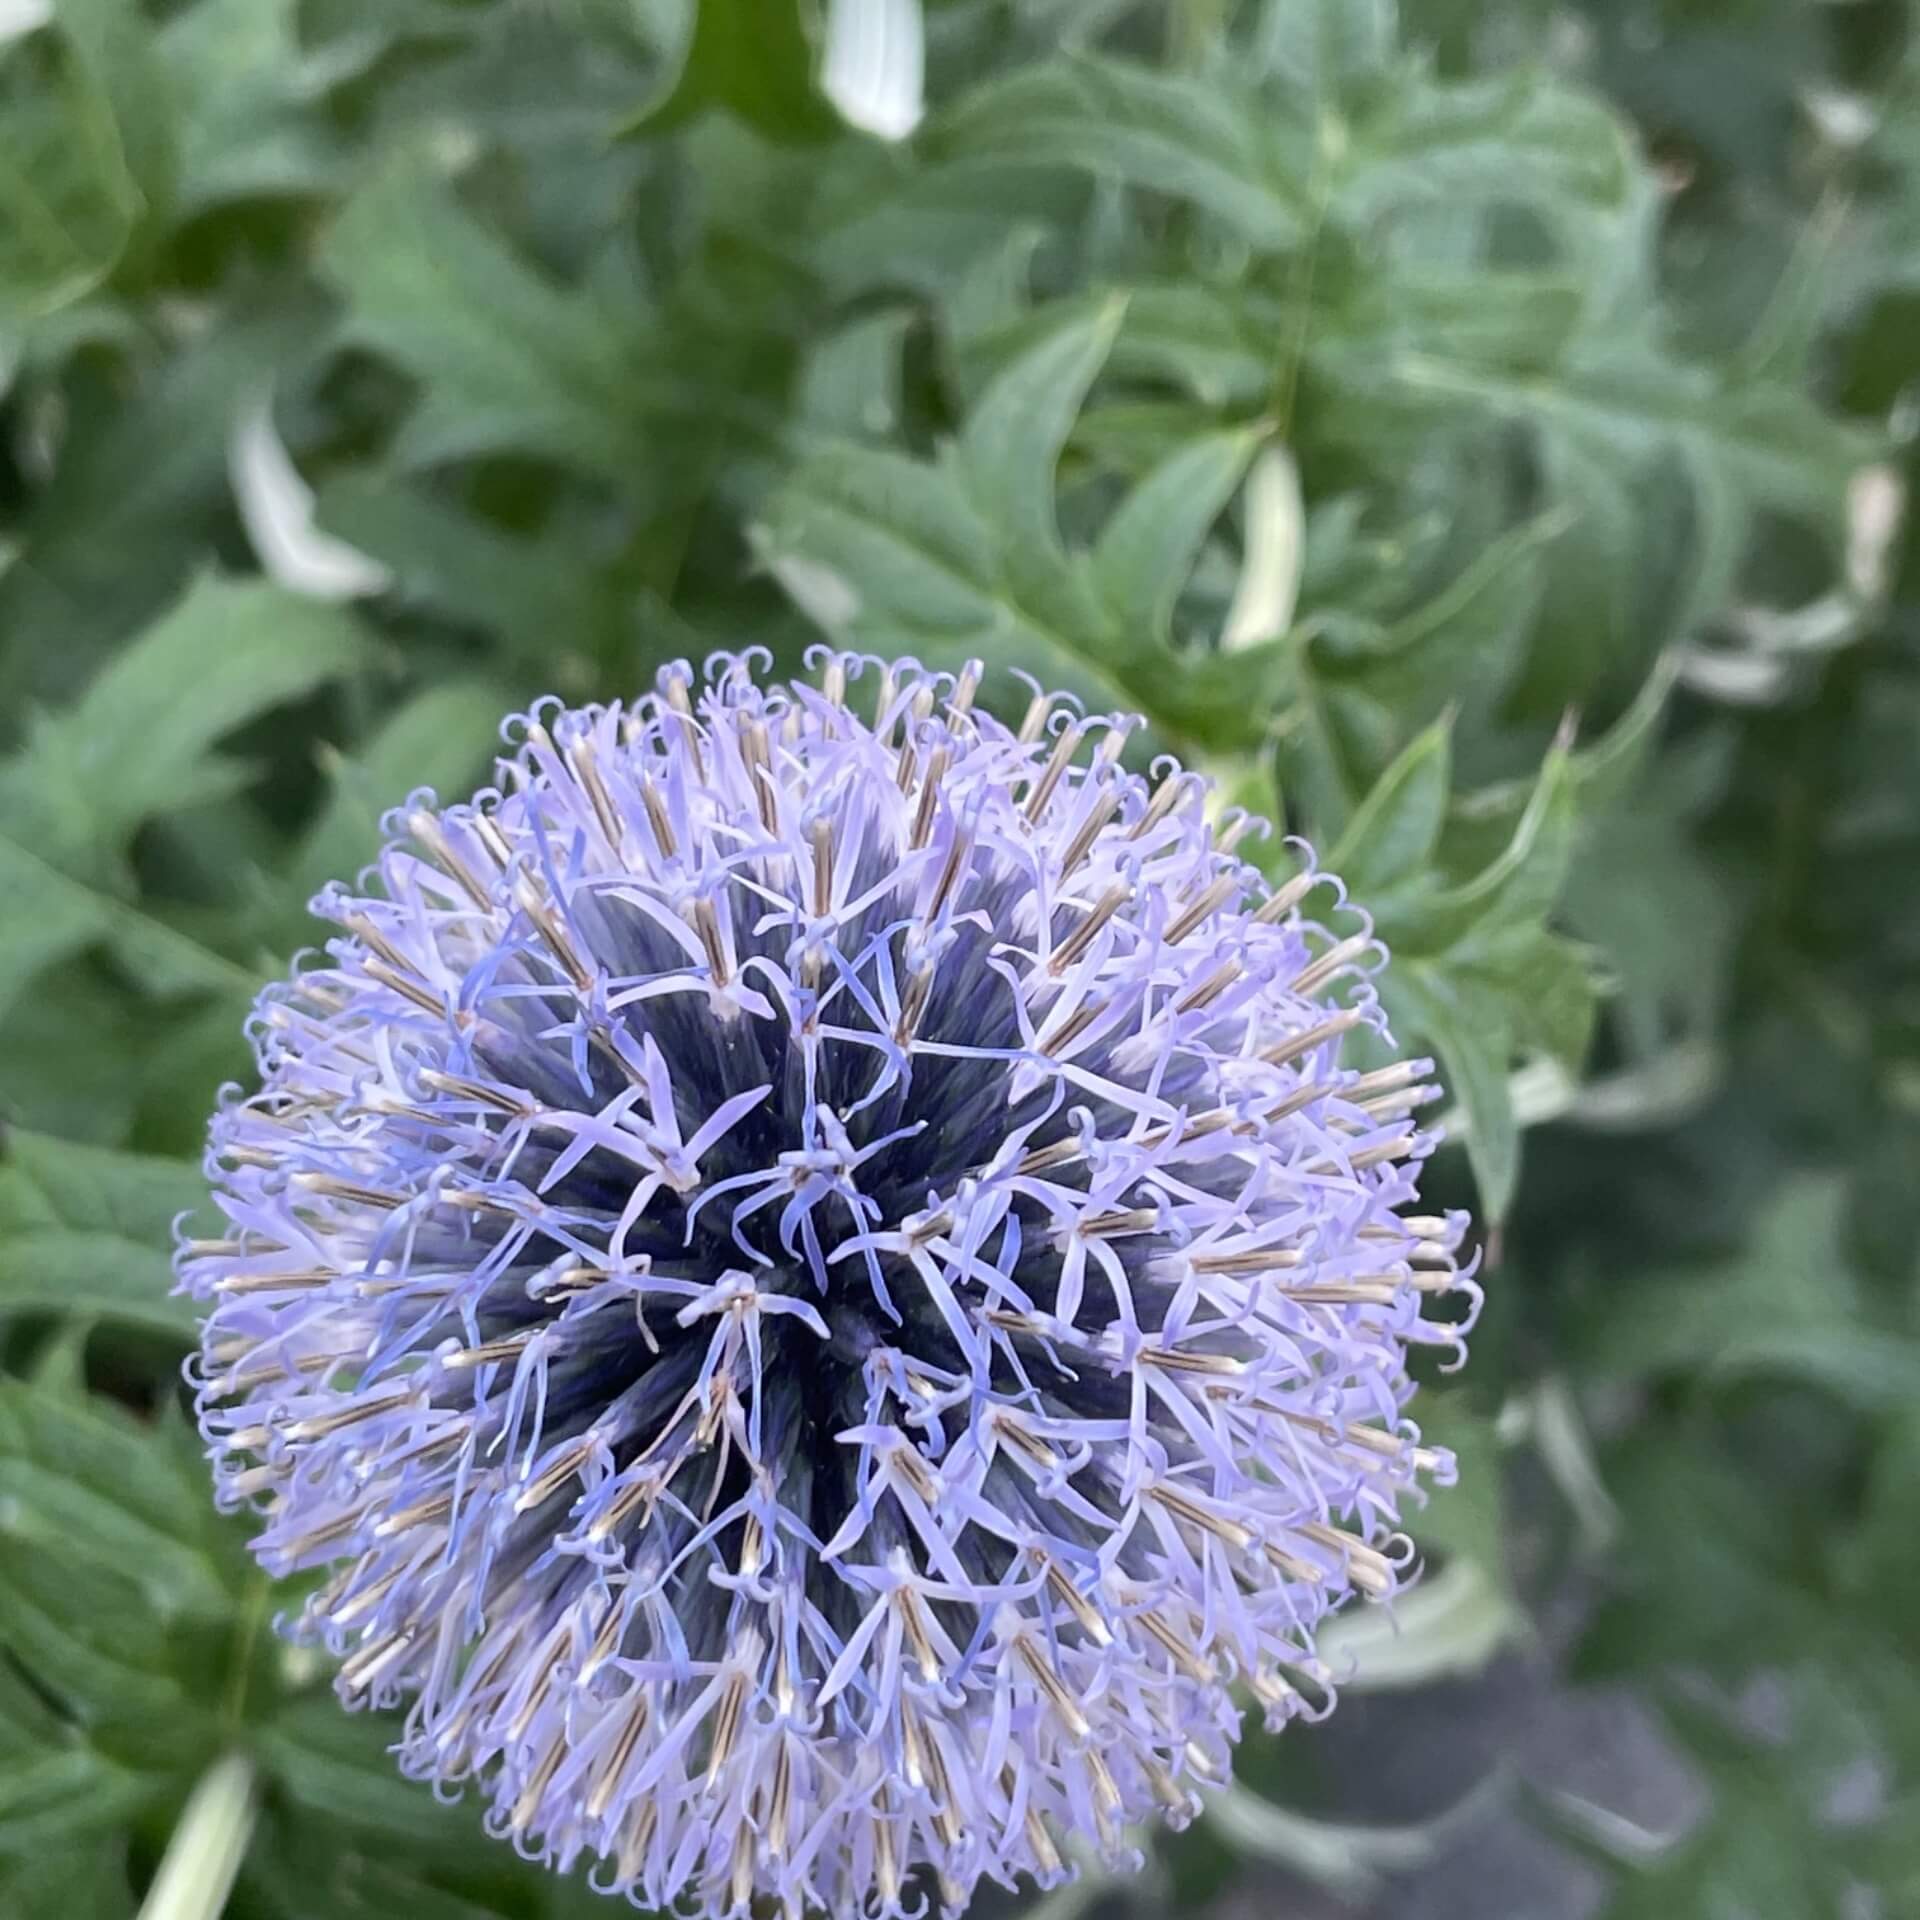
<point x="1481" y="439"/>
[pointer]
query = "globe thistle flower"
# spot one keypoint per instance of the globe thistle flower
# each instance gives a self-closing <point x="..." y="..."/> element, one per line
<point x="820" y="1290"/>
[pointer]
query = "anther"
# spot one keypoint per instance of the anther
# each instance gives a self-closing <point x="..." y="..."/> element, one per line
<point x="1063" y="751"/>
<point x="1075" y="944"/>
<point x="1215" y="897"/>
<point x="758" y="760"/>
<point x="1308" y="1038"/>
<point x="929" y="793"/>
<point x="1166" y="796"/>
<point x="1322" y="970"/>
<point x="586" y="770"/>
<point x="427" y="830"/>
<point x="654" y="802"/>
<point x="1070" y="1029"/>
<point x="1284" y="899"/>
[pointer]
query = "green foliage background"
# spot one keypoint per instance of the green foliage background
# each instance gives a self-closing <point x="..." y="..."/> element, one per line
<point x="1479" y="439"/>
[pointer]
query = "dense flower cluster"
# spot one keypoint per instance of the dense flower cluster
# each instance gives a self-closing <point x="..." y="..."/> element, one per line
<point x="821" y="1289"/>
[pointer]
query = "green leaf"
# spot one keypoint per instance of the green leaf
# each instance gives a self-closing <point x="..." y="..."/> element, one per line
<point x="50" y="917"/>
<point x="1388" y="844"/>
<point x="964" y="555"/>
<point x="1516" y="889"/>
<point x="553" y="608"/>
<point x="1275" y="169"/>
<point x="125" y="521"/>
<point x="87" y="1230"/>
<point x="1203" y="140"/>
<point x="1471" y="1032"/>
<point x="1148" y="549"/>
<point x="508" y="360"/>
<point x="341" y="1766"/>
<point x="1010" y="445"/>
<point x="1474" y="973"/>
<point x="51" y="1800"/>
<point x="444" y="739"/>
<point x="249" y="103"/>
<point x="1788" y="1306"/>
<point x="90" y="1484"/>
<point x="115" y="42"/>
<point x="130" y="747"/>
<point x="755" y="59"/>
<point x="1608" y="418"/>
<point x="63" y="1059"/>
<point x="67" y="202"/>
<point x="1358" y="682"/>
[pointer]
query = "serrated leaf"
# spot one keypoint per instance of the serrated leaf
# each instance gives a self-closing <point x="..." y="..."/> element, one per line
<point x="114" y="41"/>
<point x="1608" y="418"/>
<point x="509" y="361"/>
<point x="1148" y="549"/>
<point x="248" y="102"/>
<point x="67" y="202"/>
<point x="51" y="1800"/>
<point x="51" y="916"/>
<point x="1786" y="1306"/>
<point x="1276" y="169"/>
<point x="964" y="556"/>
<point x="1357" y="683"/>
<point x="1204" y="140"/>
<point x="87" y="1230"/>
<point x="1515" y="890"/>
<point x="87" y="1484"/>
<point x="1471" y="1031"/>
<point x="850" y="384"/>
<point x="1388" y="844"/>
<point x="63" y="1059"/>
<point x="551" y="605"/>
<point x="124" y="522"/>
<point x="1009" y="448"/>
<point x="130" y="747"/>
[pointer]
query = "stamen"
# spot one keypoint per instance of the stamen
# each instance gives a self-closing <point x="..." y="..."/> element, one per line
<point x="655" y="804"/>
<point x="1330" y="963"/>
<point x="1083" y="936"/>
<point x="1310" y="1037"/>
<point x="1063" y="751"/>
<point x="1033" y="1657"/>
<point x="1210" y="901"/>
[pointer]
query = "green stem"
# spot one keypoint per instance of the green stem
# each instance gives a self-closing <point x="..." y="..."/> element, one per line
<point x="204" y="1854"/>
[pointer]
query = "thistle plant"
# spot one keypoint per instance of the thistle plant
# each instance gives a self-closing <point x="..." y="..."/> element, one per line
<point x="812" y="1277"/>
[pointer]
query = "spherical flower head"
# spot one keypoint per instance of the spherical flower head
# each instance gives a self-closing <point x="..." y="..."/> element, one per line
<point x="818" y="1284"/>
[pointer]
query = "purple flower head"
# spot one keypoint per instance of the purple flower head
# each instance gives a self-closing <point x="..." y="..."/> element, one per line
<point x="818" y="1284"/>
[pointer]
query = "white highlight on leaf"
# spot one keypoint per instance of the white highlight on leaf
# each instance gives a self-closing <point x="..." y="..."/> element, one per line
<point x="1269" y="584"/>
<point x="276" y="506"/>
<point x="874" y="69"/>
<point x="204" y="1855"/>
<point x="21" y="17"/>
<point x="1842" y="119"/>
<point x="824" y="594"/>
